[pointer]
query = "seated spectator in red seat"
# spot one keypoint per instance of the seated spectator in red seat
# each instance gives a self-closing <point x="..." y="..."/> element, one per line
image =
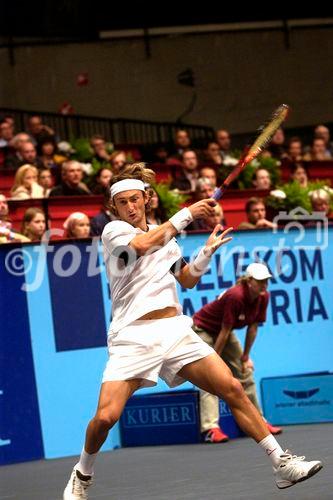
<point x="47" y="150"/>
<point x="262" y="179"/>
<point x="294" y="152"/>
<point x="25" y="184"/>
<point x="6" y="141"/>
<point x="100" y="148"/>
<point x="320" y="202"/>
<point x="155" y="213"/>
<point x="182" y="143"/>
<point x="210" y="174"/>
<point x="160" y="154"/>
<point x="277" y="146"/>
<point x="38" y="131"/>
<point x="256" y="215"/>
<point x="25" y="153"/>
<point x="186" y="181"/>
<point x="33" y="224"/>
<point x="299" y="173"/>
<point x="209" y="223"/>
<point x="71" y="184"/>
<point x="77" y="225"/>
<point x="318" y="151"/>
<point x="7" y="234"/>
<point x="100" y="220"/>
<point x="118" y="160"/>
<point x="213" y="154"/>
<point x="323" y="132"/>
<point x="45" y="180"/>
<point x="101" y="181"/>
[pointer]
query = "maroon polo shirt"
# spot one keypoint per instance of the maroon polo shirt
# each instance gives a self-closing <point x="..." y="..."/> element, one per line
<point x="232" y="309"/>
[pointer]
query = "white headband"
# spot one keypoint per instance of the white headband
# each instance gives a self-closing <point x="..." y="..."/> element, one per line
<point x="126" y="185"/>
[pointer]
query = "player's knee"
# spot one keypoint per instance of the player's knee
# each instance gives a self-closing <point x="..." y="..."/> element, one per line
<point x="234" y="391"/>
<point x="106" y="418"/>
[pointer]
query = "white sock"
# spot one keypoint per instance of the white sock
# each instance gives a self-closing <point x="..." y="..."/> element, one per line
<point x="272" y="448"/>
<point x="86" y="463"/>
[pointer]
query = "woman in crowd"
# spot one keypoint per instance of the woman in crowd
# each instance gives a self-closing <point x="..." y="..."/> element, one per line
<point x="33" y="224"/>
<point x="25" y="184"/>
<point x="45" y="180"/>
<point x="300" y="174"/>
<point x="155" y="213"/>
<point x="101" y="181"/>
<point x="77" y="225"/>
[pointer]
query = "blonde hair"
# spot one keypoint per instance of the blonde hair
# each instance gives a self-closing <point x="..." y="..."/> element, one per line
<point x="20" y="174"/>
<point x="320" y="195"/>
<point x="71" y="221"/>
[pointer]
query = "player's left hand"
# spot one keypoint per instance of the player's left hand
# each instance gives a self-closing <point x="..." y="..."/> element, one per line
<point x="216" y="240"/>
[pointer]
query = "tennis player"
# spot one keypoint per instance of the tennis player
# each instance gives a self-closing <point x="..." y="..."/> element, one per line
<point x="149" y="337"/>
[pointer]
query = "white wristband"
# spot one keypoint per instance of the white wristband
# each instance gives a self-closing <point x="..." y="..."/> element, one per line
<point x="181" y="219"/>
<point x="200" y="263"/>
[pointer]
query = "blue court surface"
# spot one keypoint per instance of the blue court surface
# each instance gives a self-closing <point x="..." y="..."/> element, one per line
<point x="237" y="470"/>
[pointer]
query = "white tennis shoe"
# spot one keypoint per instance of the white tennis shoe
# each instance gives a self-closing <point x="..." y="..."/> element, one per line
<point x="77" y="486"/>
<point x="293" y="469"/>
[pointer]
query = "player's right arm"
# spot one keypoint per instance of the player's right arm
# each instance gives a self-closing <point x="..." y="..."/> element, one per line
<point x="160" y="236"/>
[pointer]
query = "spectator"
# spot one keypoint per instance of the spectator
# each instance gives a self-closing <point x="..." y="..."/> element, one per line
<point x="277" y="144"/>
<point x="6" y="134"/>
<point x="160" y="154"/>
<point x="262" y="179"/>
<point x="318" y="151"/>
<point x="33" y="224"/>
<point x="209" y="223"/>
<point x="71" y="184"/>
<point x="101" y="181"/>
<point x="77" y="225"/>
<point x="300" y="174"/>
<point x="182" y="143"/>
<point x="294" y="152"/>
<point x="118" y="161"/>
<point x="25" y="184"/>
<point x="38" y="131"/>
<point x="320" y="201"/>
<point x="213" y="153"/>
<point x="99" y="147"/>
<point x="323" y="132"/>
<point x="45" y="180"/>
<point x="204" y="189"/>
<point x="6" y="138"/>
<point x="26" y="153"/>
<point x="7" y="234"/>
<point x="210" y="174"/>
<point x="46" y="150"/>
<point x="256" y="215"/>
<point x="155" y="213"/>
<point x="186" y="182"/>
<point x="224" y="142"/>
<point x="100" y="220"/>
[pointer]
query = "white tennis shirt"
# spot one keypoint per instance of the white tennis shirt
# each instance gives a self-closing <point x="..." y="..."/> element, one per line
<point x="145" y="283"/>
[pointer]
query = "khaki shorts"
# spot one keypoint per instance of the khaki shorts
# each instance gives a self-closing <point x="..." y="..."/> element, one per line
<point x="148" y="349"/>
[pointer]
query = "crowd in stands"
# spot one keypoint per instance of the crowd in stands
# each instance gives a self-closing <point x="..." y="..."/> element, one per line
<point x="45" y="166"/>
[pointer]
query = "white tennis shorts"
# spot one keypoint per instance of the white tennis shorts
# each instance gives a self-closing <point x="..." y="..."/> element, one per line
<point x="148" y="349"/>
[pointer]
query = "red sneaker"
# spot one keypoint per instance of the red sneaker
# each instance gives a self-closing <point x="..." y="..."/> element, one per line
<point x="215" y="435"/>
<point x="272" y="429"/>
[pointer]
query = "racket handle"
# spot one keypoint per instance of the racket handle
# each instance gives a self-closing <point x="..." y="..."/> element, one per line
<point x="218" y="193"/>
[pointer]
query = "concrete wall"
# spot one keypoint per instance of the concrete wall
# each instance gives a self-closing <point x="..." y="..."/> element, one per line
<point x="240" y="77"/>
